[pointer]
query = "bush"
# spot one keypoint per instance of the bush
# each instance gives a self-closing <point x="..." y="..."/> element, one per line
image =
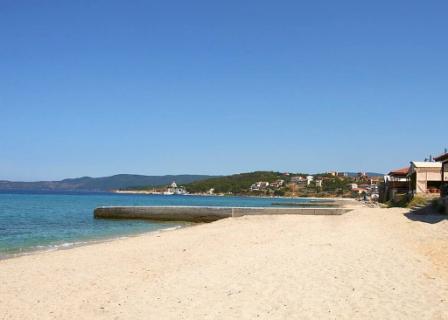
<point x="405" y="201"/>
<point x="279" y="192"/>
<point x="444" y="190"/>
<point x="417" y="201"/>
<point x="438" y="206"/>
<point x="400" y="200"/>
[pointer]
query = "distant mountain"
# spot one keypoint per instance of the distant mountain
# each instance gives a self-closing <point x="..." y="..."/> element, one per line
<point x="120" y="181"/>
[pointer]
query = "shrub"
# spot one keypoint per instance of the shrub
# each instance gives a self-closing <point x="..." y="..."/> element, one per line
<point x="400" y="200"/>
<point x="279" y="192"/>
<point x="405" y="201"/>
<point x="444" y="190"/>
<point x="417" y="201"/>
<point x="438" y="206"/>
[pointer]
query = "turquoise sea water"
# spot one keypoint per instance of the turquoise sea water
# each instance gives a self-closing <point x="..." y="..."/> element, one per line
<point x="46" y="221"/>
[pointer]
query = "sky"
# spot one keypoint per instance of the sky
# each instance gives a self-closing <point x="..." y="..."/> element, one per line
<point x="96" y="88"/>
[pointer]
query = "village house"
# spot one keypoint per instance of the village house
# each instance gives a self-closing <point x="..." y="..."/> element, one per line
<point x="309" y="179"/>
<point x="360" y="190"/>
<point x="444" y="173"/>
<point x="298" y="179"/>
<point x="298" y="182"/>
<point x="362" y="177"/>
<point x="374" y="181"/>
<point x="395" y="183"/>
<point x="277" y="184"/>
<point x="424" y="177"/>
<point x="353" y="186"/>
<point x="174" y="189"/>
<point x="444" y="177"/>
<point x="365" y="186"/>
<point x="259" y="186"/>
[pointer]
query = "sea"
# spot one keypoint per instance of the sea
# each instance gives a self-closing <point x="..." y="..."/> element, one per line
<point x="45" y="221"/>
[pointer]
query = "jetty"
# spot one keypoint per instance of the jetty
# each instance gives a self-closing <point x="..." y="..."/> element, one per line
<point x="204" y="214"/>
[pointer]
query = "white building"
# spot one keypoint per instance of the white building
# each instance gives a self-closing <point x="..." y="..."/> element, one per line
<point x="260" y="185"/>
<point x="174" y="189"/>
<point x="425" y="177"/>
<point x="309" y="179"/>
<point x="353" y="186"/>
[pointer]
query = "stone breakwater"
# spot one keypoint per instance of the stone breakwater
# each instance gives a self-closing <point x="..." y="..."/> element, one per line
<point x="203" y="214"/>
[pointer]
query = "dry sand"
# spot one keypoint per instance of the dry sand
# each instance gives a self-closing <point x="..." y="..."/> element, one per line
<point x="367" y="264"/>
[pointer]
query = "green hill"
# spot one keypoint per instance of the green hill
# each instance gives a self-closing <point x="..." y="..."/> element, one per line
<point x="236" y="184"/>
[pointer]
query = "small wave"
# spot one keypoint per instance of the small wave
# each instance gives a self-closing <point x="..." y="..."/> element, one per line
<point x="170" y="228"/>
<point x="68" y="245"/>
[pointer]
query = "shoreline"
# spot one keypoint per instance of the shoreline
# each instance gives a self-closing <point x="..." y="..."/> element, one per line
<point x="369" y="263"/>
<point x="85" y="242"/>
<point x="112" y="192"/>
<point x="229" y="195"/>
<point x="88" y="242"/>
<point x="26" y="245"/>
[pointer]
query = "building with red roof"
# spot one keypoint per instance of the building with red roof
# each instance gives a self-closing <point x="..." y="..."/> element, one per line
<point x="444" y="173"/>
<point x="399" y="173"/>
<point x="395" y="183"/>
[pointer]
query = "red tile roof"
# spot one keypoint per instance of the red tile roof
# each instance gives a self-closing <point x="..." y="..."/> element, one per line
<point x="399" y="172"/>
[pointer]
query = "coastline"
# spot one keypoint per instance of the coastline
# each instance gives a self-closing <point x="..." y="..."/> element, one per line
<point x="73" y="225"/>
<point x="87" y="241"/>
<point x="368" y="263"/>
<point x="42" y="249"/>
<point x="142" y="192"/>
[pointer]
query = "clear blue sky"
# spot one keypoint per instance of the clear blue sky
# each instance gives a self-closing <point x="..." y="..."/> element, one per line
<point x="215" y="87"/>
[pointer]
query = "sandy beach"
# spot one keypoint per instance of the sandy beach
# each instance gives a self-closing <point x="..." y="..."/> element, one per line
<point x="366" y="264"/>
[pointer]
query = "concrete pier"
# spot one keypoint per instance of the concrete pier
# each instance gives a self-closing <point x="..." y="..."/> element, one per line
<point x="203" y="214"/>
